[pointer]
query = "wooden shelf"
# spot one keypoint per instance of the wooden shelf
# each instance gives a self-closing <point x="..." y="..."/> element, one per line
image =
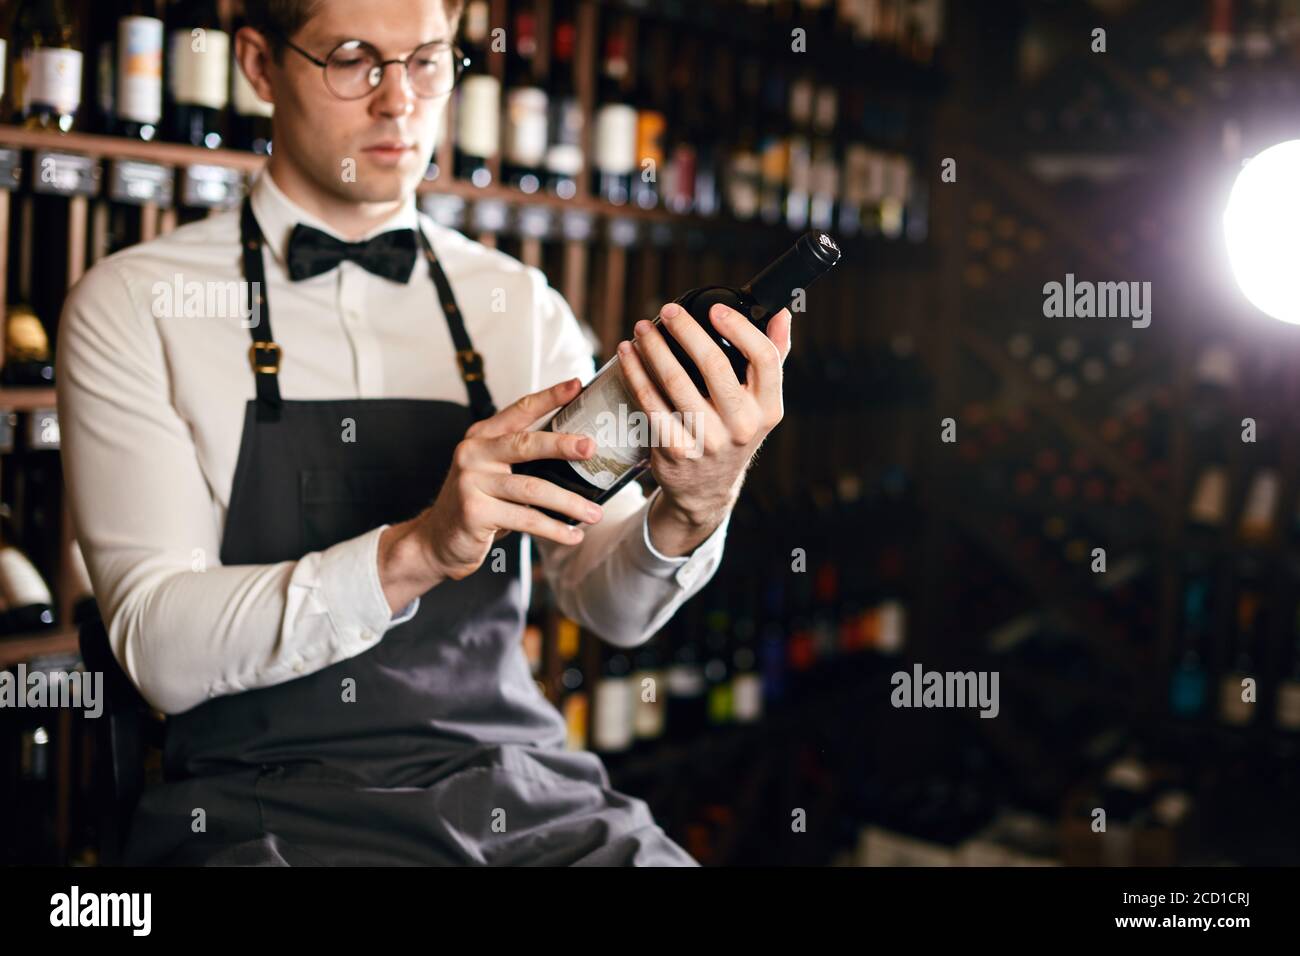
<point x="22" y="647"/>
<point x="177" y="155"/>
<point x="27" y="399"/>
<point x="118" y="147"/>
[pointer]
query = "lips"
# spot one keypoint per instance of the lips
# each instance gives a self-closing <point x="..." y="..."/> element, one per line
<point x="389" y="147"/>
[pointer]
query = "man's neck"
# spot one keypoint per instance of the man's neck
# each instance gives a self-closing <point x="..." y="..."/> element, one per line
<point x="351" y="220"/>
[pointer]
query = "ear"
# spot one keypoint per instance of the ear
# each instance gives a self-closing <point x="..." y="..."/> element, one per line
<point x="253" y="53"/>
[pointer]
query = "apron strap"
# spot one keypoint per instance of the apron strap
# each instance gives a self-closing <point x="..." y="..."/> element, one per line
<point x="468" y="360"/>
<point x="264" y="354"/>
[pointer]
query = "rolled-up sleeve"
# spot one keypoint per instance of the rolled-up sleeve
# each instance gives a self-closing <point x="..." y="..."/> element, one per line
<point x="184" y="627"/>
<point x="615" y="582"/>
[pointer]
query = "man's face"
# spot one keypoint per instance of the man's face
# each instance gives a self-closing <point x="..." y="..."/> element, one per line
<point x="373" y="149"/>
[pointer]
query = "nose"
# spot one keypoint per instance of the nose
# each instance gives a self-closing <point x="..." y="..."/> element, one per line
<point x="394" y="97"/>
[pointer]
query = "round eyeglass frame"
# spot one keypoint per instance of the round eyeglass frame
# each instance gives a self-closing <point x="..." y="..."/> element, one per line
<point x="460" y="62"/>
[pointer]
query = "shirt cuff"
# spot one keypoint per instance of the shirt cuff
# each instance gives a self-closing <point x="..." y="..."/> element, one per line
<point x="686" y="568"/>
<point x="353" y="596"/>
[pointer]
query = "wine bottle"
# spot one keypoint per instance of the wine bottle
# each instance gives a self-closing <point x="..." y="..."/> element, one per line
<point x="648" y="690"/>
<point x="1187" y="685"/>
<point x="1234" y="709"/>
<point x="526" y="107"/>
<point x="614" y="133"/>
<point x="651" y="121"/>
<point x="28" y="604"/>
<point x="478" y="128"/>
<point x="198" y="82"/>
<point x="139" y="70"/>
<point x="613" y="730"/>
<point x="606" y="404"/>
<point x="687" y="700"/>
<point x="1288" y="692"/>
<point x="27" y="359"/>
<point x="565" y="121"/>
<point x="47" y="74"/>
<point x="574" y="701"/>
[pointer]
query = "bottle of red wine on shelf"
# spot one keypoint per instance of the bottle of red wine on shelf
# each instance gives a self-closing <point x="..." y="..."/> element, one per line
<point x="605" y="411"/>
<point x="565" y="120"/>
<point x="525" y="107"/>
<point x="478" y="103"/>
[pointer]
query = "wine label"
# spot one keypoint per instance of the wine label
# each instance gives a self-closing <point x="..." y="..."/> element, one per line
<point x="20" y="582"/>
<point x="747" y="697"/>
<point x="476" y="21"/>
<point x="4" y="49"/>
<point x="686" y="681"/>
<point x="613" y="728"/>
<point x="826" y="109"/>
<point x="564" y="132"/>
<point x="244" y="98"/>
<point x="478" y="127"/>
<point x="1232" y="709"/>
<point x="53" y="79"/>
<point x="801" y="101"/>
<point x="1288" y="705"/>
<point x="742" y="184"/>
<point x="614" y="143"/>
<point x="650" y="127"/>
<point x="775" y="161"/>
<point x="648" y="715"/>
<point x="139" y="69"/>
<point x="898" y="178"/>
<point x="575" y="721"/>
<point x="526" y="125"/>
<point x="200" y="67"/>
<point x="599" y="412"/>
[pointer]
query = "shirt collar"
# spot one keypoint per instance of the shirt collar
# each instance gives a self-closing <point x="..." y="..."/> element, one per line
<point x="277" y="214"/>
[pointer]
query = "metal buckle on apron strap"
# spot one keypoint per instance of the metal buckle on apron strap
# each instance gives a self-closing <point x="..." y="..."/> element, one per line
<point x="471" y="365"/>
<point x="273" y="367"/>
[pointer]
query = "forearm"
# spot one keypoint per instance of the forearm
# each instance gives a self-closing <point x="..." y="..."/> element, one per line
<point x="617" y="583"/>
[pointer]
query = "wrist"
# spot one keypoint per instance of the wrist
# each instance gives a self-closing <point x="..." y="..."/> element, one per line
<point x="407" y="567"/>
<point x="695" y="513"/>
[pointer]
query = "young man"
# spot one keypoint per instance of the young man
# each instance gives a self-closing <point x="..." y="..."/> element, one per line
<point x="340" y="662"/>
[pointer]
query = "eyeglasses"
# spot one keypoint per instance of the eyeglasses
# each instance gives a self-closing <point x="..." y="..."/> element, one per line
<point x="355" y="69"/>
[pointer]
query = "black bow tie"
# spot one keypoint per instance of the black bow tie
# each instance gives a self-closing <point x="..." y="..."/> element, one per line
<point x="389" y="254"/>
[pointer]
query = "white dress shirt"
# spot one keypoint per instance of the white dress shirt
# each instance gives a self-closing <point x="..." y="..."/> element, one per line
<point x="152" y="392"/>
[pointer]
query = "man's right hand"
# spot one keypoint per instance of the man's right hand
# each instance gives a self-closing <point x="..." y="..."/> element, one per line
<point x="482" y="500"/>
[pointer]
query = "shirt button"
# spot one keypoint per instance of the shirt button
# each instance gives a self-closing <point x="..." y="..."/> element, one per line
<point x="298" y="667"/>
<point x="367" y="635"/>
<point x="687" y="574"/>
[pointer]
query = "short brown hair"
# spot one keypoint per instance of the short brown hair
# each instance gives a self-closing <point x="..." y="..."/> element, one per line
<point x="278" y="19"/>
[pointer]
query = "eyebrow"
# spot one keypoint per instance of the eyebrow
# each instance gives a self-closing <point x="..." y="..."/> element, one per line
<point x="333" y="40"/>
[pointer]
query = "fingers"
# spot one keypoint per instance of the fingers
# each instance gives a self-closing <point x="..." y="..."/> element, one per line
<point x="536" y="446"/>
<point x="762" y="352"/>
<point x="525" y="411"/>
<point x="517" y="517"/>
<point x="539" y="493"/>
<point x="671" y="427"/>
<point x="668" y="372"/>
<point x="725" y="389"/>
<point x="778" y="330"/>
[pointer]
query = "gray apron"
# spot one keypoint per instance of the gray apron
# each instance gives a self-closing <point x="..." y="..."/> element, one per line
<point x="435" y="746"/>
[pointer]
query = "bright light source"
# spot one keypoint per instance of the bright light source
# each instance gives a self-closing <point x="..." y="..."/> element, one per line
<point x="1262" y="225"/>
